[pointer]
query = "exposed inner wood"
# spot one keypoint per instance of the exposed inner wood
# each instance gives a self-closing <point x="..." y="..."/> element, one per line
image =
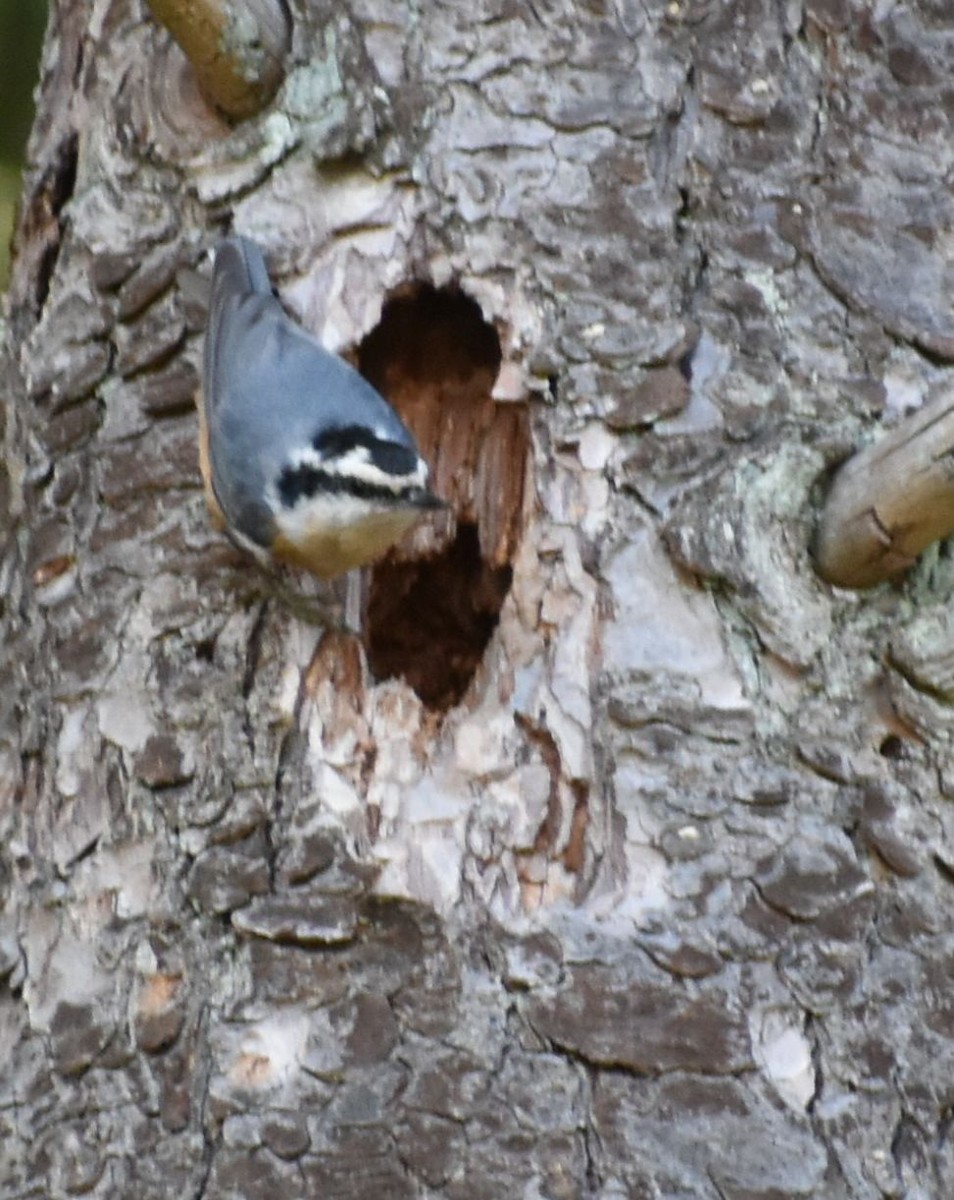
<point x="434" y="602"/>
<point x="436" y="360"/>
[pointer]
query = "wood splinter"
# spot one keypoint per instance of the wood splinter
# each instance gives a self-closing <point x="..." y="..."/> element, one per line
<point x="890" y="501"/>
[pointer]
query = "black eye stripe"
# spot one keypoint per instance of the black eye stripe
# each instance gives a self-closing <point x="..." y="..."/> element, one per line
<point x="390" y="457"/>
<point x="305" y="481"/>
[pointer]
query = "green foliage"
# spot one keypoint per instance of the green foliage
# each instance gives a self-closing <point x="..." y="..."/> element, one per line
<point x="21" y="34"/>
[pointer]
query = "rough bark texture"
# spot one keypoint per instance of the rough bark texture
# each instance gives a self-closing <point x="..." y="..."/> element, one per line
<point x="663" y="906"/>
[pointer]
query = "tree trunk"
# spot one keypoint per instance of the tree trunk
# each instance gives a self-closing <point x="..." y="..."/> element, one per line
<point x="614" y="859"/>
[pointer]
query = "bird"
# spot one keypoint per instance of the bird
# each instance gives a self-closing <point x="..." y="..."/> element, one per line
<point x="303" y="461"/>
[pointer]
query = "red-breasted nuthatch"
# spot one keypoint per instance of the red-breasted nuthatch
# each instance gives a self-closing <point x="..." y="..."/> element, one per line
<point x="302" y="459"/>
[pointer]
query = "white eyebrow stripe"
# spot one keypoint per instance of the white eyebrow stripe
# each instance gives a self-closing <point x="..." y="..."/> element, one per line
<point x="341" y="502"/>
<point x="357" y="464"/>
<point x="369" y="472"/>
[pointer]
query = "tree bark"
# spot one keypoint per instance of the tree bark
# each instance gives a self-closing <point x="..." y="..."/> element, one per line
<point x="615" y="858"/>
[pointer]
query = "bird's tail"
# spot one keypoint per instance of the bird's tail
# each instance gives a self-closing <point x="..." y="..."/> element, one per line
<point x="240" y="268"/>
<point x="239" y="274"/>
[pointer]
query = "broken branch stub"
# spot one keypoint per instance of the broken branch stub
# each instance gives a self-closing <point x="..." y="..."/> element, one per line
<point x="889" y="501"/>
<point x="236" y="47"/>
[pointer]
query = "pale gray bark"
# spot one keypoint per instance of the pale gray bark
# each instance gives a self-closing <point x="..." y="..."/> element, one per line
<point x="662" y="906"/>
